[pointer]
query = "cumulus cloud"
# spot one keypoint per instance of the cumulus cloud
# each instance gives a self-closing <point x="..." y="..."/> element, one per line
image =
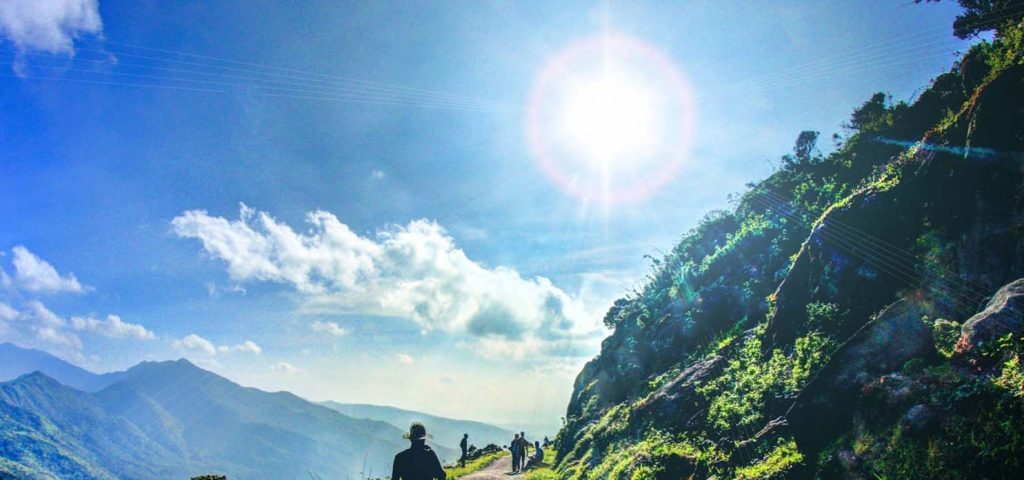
<point x="50" y="26"/>
<point x="37" y="275"/>
<point x="195" y="344"/>
<point x="329" y="327"/>
<point x="112" y="327"/>
<point x="414" y="271"/>
<point x="198" y="345"/>
<point x="404" y="358"/>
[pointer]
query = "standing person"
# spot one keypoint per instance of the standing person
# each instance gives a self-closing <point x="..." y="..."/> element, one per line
<point x="418" y="462"/>
<point x="464" y="445"/>
<point x="514" y="448"/>
<point x="524" y="446"/>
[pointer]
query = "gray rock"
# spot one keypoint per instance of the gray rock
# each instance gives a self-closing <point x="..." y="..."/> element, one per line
<point x="917" y="419"/>
<point x="1004" y="314"/>
<point x="896" y="335"/>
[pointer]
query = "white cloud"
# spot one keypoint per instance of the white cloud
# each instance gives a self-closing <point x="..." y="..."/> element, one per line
<point x="198" y="345"/>
<point x="59" y="337"/>
<point x="42" y="315"/>
<point x="329" y="327"/>
<point x="377" y="175"/>
<point x="36" y="275"/>
<point x="48" y="25"/>
<point x="414" y="272"/>
<point x="5" y="280"/>
<point x="247" y="346"/>
<point x="112" y="327"/>
<point x="404" y="358"/>
<point x="285" y="367"/>
<point x="195" y="344"/>
<point x="7" y="312"/>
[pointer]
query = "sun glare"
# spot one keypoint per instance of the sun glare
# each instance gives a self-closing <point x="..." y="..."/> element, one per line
<point x="610" y="118"/>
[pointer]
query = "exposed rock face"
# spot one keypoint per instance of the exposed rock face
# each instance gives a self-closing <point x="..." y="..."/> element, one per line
<point x="896" y="336"/>
<point x="1003" y="315"/>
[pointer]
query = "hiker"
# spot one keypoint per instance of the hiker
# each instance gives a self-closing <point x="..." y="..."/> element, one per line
<point x="514" y="448"/>
<point x="538" y="456"/>
<point x="418" y="462"/>
<point x="524" y="446"/>
<point x="464" y="445"/>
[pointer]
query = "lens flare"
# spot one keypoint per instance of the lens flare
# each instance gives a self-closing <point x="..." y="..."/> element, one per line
<point x="610" y="119"/>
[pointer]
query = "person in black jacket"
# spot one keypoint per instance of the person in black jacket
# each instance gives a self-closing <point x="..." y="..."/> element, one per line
<point x="418" y="462"/>
<point x="464" y="445"/>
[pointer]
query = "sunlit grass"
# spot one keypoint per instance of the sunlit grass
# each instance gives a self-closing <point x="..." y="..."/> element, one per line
<point x="456" y="471"/>
<point x="543" y="473"/>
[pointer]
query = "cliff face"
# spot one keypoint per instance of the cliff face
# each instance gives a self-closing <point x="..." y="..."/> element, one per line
<point x="848" y="319"/>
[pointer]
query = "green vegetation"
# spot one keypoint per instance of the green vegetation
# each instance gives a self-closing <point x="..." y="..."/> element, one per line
<point x="455" y="471"/>
<point x="814" y="330"/>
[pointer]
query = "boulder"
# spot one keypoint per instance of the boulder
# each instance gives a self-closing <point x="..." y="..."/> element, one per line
<point x="895" y="336"/>
<point x="1004" y="314"/>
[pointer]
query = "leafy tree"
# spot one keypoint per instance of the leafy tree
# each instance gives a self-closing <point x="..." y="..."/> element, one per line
<point x="983" y="15"/>
<point x="614" y="315"/>
<point x="870" y="114"/>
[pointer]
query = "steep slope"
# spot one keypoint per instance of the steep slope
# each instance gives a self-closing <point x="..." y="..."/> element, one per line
<point x="446" y="431"/>
<point x="54" y="431"/>
<point x="815" y="330"/>
<point x="16" y="361"/>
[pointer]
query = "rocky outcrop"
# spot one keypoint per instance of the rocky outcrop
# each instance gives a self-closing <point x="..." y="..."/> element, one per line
<point x="1003" y="315"/>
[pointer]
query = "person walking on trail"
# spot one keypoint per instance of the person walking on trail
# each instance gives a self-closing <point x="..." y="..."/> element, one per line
<point x="418" y="462"/>
<point x="464" y="445"/>
<point x="522" y="450"/>
<point x="514" y="448"/>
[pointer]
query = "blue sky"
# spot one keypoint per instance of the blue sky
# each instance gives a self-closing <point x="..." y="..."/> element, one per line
<point x="463" y="281"/>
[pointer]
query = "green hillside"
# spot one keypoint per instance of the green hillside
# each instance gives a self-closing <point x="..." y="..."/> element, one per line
<point x="842" y="320"/>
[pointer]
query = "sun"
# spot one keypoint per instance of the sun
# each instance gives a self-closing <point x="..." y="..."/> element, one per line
<point x="610" y="118"/>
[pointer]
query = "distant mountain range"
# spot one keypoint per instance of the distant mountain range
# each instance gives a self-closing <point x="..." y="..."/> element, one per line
<point x="447" y="432"/>
<point x="172" y="419"/>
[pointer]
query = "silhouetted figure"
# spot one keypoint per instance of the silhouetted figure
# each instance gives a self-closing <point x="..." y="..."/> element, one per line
<point x="514" y="448"/>
<point x="522" y="448"/>
<point x="464" y="445"/>
<point x="546" y="441"/>
<point x="538" y="456"/>
<point x="418" y="462"/>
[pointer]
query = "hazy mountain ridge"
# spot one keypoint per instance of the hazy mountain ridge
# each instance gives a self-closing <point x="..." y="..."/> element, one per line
<point x="173" y="420"/>
<point x="856" y="315"/>
<point x="446" y="431"/>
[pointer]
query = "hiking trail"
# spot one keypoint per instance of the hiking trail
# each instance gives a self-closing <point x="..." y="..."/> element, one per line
<point x="498" y="469"/>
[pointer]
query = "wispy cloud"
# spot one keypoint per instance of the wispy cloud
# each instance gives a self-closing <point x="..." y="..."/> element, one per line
<point x="285" y="367"/>
<point x="404" y="358"/>
<point x="414" y="271"/>
<point x="34" y="274"/>
<point x="195" y="344"/>
<point x="112" y="327"/>
<point x="329" y="327"/>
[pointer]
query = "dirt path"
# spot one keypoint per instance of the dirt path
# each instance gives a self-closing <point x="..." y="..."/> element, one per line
<point x="498" y="469"/>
